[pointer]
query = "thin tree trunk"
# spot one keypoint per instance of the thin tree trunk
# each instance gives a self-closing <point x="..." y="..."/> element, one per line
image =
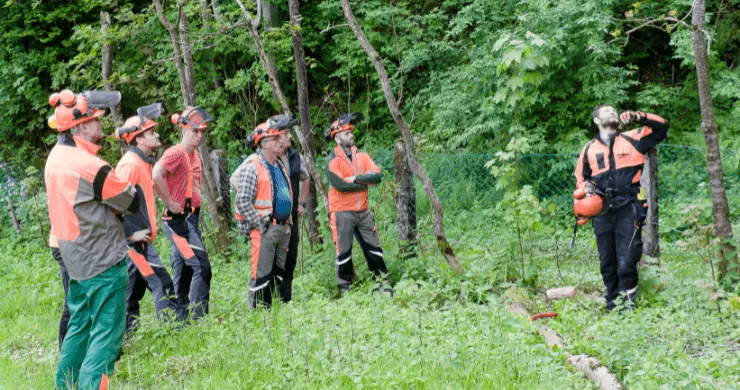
<point x="405" y="196"/>
<point x="408" y="139"/>
<point x="13" y="217"/>
<point x="303" y="107"/>
<point x="107" y="63"/>
<point x="184" y="63"/>
<point x="651" y="243"/>
<point x="175" y="39"/>
<point x="207" y="16"/>
<point x="252" y="25"/>
<point x="720" y="207"/>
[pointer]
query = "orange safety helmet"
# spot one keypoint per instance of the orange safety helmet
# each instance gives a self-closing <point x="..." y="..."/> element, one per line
<point x="192" y="118"/>
<point x="586" y="205"/>
<point x="136" y="125"/>
<point x="345" y="122"/>
<point x="71" y="110"/>
<point x="274" y="126"/>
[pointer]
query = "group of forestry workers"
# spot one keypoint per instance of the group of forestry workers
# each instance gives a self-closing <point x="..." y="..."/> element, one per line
<point x="104" y="220"/>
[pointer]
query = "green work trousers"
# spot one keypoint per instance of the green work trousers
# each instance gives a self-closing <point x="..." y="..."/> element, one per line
<point x="97" y="323"/>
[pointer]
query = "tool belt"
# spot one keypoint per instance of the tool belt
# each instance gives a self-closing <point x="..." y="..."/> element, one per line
<point x="626" y="190"/>
<point x="187" y="209"/>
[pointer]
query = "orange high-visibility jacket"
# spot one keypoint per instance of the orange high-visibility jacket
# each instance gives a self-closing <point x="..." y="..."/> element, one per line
<point x="616" y="168"/>
<point x="136" y="168"/>
<point x="84" y="194"/>
<point x="344" y="196"/>
<point x="255" y="196"/>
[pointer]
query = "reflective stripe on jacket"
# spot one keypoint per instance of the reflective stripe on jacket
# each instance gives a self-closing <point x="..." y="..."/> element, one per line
<point x="615" y="168"/>
<point x="345" y="196"/>
<point x="254" y="197"/>
<point x="84" y="195"/>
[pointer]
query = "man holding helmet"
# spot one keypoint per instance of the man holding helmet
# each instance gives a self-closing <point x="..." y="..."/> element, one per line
<point x="350" y="173"/>
<point x="177" y="181"/>
<point x="85" y="196"/>
<point x="610" y="166"/>
<point x="145" y="270"/>
<point x="264" y="201"/>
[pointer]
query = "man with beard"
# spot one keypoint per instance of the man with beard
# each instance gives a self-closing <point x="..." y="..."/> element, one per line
<point x="350" y="173"/>
<point x="85" y="196"/>
<point x="611" y="165"/>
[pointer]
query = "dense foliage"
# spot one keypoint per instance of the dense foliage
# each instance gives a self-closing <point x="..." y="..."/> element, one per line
<point x="452" y="62"/>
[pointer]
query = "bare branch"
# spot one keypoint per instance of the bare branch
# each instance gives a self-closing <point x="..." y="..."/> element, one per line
<point x="330" y="27"/>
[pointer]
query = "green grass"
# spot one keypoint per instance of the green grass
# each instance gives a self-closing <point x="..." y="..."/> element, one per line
<point x="439" y="331"/>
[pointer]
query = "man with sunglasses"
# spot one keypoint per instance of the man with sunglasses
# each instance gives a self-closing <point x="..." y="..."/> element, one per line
<point x="177" y="181"/>
<point x="145" y="268"/>
<point x="264" y="201"/>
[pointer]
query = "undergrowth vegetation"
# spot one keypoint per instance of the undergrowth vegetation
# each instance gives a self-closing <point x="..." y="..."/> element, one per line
<point x="440" y="330"/>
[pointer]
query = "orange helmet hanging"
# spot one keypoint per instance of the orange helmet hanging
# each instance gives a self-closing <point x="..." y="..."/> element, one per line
<point x="588" y="206"/>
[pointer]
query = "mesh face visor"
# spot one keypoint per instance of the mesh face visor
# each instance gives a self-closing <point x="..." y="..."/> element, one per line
<point x="196" y="117"/>
<point x="101" y="99"/>
<point x="350" y="118"/>
<point x="281" y="122"/>
<point x="151" y="111"/>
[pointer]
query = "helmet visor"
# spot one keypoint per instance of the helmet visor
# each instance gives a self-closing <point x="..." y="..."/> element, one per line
<point x="197" y="118"/>
<point x="151" y="111"/>
<point x="102" y="99"/>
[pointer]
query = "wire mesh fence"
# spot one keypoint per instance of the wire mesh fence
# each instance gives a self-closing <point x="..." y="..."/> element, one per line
<point x="464" y="183"/>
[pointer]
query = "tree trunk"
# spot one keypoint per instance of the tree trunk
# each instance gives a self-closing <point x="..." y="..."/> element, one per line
<point x="303" y="108"/>
<point x="408" y="139"/>
<point x="220" y="218"/>
<point x="405" y="196"/>
<point x="310" y="161"/>
<point x="206" y="16"/>
<point x="107" y="62"/>
<point x="13" y="217"/>
<point x="720" y="207"/>
<point x="221" y="171"/>
<point x="651" y="244"/>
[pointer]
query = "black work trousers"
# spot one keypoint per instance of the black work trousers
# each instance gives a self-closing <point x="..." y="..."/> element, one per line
<point x="619" y="240"/>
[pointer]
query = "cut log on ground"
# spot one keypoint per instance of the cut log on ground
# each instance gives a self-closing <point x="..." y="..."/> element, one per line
<point x="594" y="370"/>
<point x="560" y="292"/>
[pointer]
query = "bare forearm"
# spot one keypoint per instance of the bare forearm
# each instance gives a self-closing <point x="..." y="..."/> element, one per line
<point x="303" y="195"/>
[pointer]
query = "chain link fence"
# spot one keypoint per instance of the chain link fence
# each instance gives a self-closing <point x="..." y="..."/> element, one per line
<point x="464" y="183"/>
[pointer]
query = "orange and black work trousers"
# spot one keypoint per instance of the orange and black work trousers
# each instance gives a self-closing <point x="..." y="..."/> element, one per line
<point x="191" y="267"/>
<point x="619" y="241"/>
<point x="345" y="225"/>
<point x="64" y="321"/>
<point x="269" y="250"/>
<point x="159" y="283"/>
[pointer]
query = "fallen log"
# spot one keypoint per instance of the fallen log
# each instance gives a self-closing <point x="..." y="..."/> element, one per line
<point x="591" y="367"/>
<point x="560" y="292"/>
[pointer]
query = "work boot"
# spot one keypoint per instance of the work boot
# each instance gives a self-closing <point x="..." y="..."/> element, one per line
<point x="344" y="288"/>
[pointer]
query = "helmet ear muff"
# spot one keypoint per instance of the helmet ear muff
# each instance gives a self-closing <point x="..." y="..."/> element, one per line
<point x="175" y="119"/>
<point x="54" y="99"/>
<point x="327" y="135"/>
<point x="67" y="97"/>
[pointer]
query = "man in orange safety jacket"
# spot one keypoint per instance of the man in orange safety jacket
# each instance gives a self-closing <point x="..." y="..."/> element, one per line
<point x="350" y="173"/>
<point x="86" y="198"/>
<point x="611" y="164"/>
<point x="145" y="271"/>
<point x="264" y="200"/>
